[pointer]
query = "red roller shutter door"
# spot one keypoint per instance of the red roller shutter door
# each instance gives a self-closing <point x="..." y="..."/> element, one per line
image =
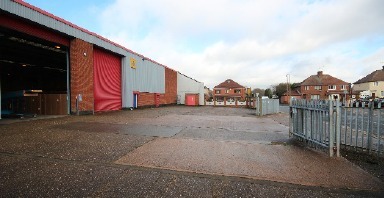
<point x="107" y="82"/>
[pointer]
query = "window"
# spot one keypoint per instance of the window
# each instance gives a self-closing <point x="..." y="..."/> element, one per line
<point x="227" y="91"/>
<point x="237" y="91"/>
<point x="332" y="87"/>
<point x="217" y="91"/>
<point x="376" y="83"/>
<point x="343" y="87"/>
<point x="318" y="87"/>
<point x="306" y="87"/>
<point x="315" y="97"/>
<point x="382" y="93"/>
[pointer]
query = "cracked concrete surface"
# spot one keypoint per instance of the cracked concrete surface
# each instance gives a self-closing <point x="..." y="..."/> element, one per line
<point x="168" y="152"/>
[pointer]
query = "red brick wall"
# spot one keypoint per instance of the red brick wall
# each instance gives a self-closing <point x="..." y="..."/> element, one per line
<point x="146" y="99"/>
<point x="81" y="74"/>
<point x="231" y="92"/>
<point x="323" y="93"/>
<point x="170" y="96"/>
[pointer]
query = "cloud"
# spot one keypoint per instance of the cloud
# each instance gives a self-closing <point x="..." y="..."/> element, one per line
<point x="256" y="43"/>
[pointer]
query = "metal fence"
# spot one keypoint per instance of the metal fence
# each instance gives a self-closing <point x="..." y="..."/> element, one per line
<point x="328" y="124"/>
<point x="267" y="106"/>
<point x="363" y="129"/>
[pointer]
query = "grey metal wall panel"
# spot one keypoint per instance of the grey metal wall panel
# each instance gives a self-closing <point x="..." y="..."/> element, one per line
<point x="147" y="77"/>
<point x="187" y="85"/>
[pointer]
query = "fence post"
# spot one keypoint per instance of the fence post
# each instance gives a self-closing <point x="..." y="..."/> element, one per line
<point x="331" y="129"/>
<point x="338" y="127"/>
<point x="290" y="117"/>
<point x="370" y="126"/>
<point x="257" y="106"/>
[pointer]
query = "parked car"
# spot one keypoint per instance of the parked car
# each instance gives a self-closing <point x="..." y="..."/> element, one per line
<point x="378" y="103"/>
<point x="360" y="103"/>
<point x="365" y="102"/>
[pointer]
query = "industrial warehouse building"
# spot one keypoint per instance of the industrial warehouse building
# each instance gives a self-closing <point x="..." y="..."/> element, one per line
<point x="50" y="66"/>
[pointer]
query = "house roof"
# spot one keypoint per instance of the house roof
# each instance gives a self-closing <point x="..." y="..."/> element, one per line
<point x="294" y="92"/>
<point x="377" y="75"/>
<point x="229" y="84"/>
<point x="322" y="79"/>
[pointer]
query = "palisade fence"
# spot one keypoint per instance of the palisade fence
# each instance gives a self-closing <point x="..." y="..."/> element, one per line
<point x="327" y="124"/>
<point x="266" y="106"/>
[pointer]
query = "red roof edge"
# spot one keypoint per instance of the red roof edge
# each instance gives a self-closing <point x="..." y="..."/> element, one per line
<point x="41" y="11"/>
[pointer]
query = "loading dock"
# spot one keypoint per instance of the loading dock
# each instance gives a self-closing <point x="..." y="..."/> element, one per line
<point x="34" y="75"/>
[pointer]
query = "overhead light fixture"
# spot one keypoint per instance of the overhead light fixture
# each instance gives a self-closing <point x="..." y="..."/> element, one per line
<point x="24" y="65"/>
<point x="7" y="61"/>
<point x="20" y="40"/>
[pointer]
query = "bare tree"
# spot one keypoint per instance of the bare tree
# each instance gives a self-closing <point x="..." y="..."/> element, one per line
<point x="258" y="90"/>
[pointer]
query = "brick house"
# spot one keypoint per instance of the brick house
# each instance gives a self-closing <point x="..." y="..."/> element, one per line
<point x="372" y="84"/>
<point x="293" y="93"/>
<point x="229" y="91"/>
<point x="324" y="87"/>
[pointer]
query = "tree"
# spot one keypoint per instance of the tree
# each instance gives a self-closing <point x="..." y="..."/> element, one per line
<point x="268" y="92"/>
<point x="280" y="89"/>
<point x="258" y="90"/>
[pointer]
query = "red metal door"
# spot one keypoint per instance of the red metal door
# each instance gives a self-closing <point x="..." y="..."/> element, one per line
<point x="190" y="100"/>
<point x="107" y="80"/>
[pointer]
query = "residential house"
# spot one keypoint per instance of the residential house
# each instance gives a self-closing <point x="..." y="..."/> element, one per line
<point x="324" y="87"/>
<point x="294" y="93"/>
<point x="371" y="85"/>
<point x="229" y="91"/>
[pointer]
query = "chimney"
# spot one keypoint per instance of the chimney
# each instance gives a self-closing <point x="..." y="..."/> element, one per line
<point x="319" y="73"/>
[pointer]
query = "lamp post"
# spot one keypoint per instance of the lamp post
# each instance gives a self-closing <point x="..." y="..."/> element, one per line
<point x="288" y="89"/>
<point x="345" y="97"/>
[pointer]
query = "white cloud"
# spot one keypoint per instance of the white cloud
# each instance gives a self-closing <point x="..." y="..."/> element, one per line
<point x="253" y="42"/>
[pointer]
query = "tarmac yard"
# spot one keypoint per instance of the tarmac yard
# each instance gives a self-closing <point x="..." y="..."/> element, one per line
<point x="170" y="152"/>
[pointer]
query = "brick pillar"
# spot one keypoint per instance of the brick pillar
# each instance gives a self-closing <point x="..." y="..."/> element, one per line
<point x="170" y="96"/>
<point x="81" y="64"/>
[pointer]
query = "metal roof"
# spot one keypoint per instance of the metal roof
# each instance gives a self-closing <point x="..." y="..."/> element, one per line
<point x="37" y="15"/>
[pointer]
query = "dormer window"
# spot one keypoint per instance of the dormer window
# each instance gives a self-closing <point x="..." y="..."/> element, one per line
<point x="228" y="81"/>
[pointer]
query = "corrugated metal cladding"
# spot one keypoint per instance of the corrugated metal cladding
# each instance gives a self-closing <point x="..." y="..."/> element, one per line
<point x="21" y="26"/>
<point x="48" y="21"/>
<point x="186" y="85"/>
<point x="107" y="80"/>
<point x="147" y="77"/>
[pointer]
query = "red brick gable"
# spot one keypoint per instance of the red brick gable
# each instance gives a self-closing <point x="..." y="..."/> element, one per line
<point x="229" y="84"/>
<point x="377" y="75"/>
<point x="322" y="79"/>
